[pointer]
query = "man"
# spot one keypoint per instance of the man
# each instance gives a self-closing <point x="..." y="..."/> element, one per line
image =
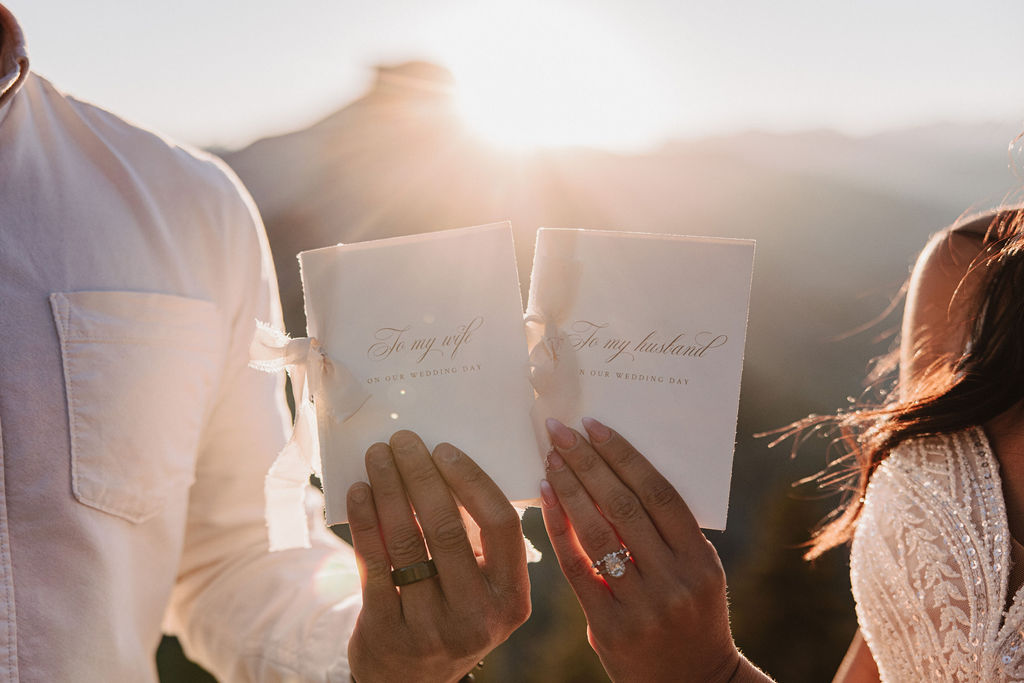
<point x="135" y="439"/>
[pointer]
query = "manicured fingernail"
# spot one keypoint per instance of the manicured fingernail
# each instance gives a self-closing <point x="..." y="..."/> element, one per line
<point x="359" y="492"/>
<point x="554" y="460"/>
<point x="597" y="431"/>
<point x="547" y="494"/>
<point x="561" y="435"/>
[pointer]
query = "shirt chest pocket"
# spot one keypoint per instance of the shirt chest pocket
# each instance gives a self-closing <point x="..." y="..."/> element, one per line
<point x="139" y="370"/>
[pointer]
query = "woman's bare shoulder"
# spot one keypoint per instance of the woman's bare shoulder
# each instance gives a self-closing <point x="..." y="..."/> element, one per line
<point x="943" y="271"/>
<point x="940" y="296"/>
<point x="976" y="225"/>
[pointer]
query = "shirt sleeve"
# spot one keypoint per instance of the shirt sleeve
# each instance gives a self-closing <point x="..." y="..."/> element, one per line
<point x="244" y="613"/>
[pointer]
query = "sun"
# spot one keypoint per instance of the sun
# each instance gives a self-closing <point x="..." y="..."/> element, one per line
<point x="533" y="75"/>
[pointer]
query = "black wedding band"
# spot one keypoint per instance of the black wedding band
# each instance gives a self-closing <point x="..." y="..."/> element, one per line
<point x="413" y="573"/>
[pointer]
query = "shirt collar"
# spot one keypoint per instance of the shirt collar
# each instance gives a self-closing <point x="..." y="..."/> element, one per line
<point x="13" y="59"/>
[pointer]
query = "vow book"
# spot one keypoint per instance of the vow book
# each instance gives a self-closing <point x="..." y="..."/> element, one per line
<point x="431" y="327"/>
<point x="647" y="335"/>
<point x="643" y="332"/>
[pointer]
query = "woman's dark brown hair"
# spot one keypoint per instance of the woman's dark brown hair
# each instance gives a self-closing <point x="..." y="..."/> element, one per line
<point x="983" y="382"/>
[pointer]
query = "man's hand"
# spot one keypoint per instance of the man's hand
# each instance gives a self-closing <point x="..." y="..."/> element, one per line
<point x="435" y="628"/>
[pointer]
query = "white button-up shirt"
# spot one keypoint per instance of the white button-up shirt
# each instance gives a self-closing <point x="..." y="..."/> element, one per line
<point x="135" y="439"/>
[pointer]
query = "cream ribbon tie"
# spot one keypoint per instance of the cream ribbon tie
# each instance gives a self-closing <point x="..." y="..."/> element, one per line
<point x="554" y="367"/>
<point x="320" y="386"/>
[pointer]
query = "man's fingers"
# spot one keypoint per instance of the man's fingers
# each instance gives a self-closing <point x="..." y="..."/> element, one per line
<point x="665" y="507"/>
<point x="501" y="533"/>
<point x="438" y="516"/>
<point x="371" y="555"/>
<point x="401" y="533"/>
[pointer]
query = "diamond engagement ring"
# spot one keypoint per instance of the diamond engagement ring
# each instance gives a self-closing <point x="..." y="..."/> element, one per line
<point x="613" y="564"/>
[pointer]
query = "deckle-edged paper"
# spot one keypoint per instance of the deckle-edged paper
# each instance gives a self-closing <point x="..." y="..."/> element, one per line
<point x="645" y="333"/>
<point x="430" y="328"/>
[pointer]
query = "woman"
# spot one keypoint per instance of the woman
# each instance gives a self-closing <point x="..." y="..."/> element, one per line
<point x="939" y="498"/>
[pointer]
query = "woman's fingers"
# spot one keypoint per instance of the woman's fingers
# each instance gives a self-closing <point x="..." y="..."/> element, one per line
<point x="663" y="504"/>
<point x="618" y="504"/>
<point x="501" y="533"/>
<point x="590" y="589"/>
<point x="373" y="561"/>
<point x="675" y="594"/>
<point x="438" y="515"/>
<point x="595" y="534"/>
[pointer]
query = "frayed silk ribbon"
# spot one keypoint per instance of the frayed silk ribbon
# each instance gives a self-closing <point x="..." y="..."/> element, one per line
<point x="554" y="368"/>
<point x="320" y="386"/>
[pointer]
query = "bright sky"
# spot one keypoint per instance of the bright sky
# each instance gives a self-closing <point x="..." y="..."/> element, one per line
<point x="595" y="72"/>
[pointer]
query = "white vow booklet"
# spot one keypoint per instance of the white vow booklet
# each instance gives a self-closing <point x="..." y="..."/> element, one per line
<point x="646" y="334"/>
<point x="426" y="332"/>
<point x="430" y="327"/>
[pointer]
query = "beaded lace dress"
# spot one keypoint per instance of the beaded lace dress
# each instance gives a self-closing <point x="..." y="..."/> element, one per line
<point x="929" y="565"/>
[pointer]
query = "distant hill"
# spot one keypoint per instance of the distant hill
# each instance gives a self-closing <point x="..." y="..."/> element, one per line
<point x="398" y="161"/>
<point x="837" y="219"/>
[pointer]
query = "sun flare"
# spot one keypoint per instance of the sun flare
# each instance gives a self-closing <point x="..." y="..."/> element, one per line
<point x="530" y="76"/>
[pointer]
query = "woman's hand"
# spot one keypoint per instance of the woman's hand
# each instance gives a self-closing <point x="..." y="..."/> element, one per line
<point x="435" y="628"/>
<point x="665" y="617"/>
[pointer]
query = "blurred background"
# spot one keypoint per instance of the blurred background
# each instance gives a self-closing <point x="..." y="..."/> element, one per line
<point x="838" y="135"/>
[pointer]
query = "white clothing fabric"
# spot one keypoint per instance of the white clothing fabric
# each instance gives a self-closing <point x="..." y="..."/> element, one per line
<point x="930" y="561"/>
<point x="135" y="439"/>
